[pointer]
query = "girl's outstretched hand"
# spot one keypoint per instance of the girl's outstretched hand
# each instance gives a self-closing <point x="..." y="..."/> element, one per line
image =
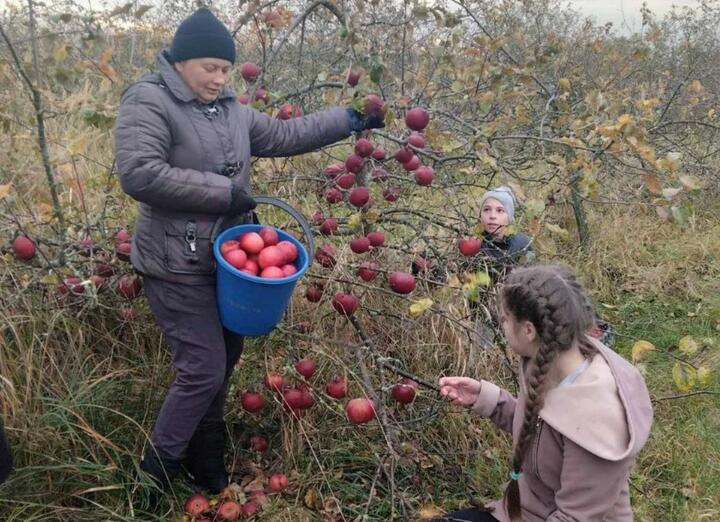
<point x="460" y="390"/>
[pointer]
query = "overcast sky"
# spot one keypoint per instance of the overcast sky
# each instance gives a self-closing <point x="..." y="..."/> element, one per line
<point x="625" y="14"/>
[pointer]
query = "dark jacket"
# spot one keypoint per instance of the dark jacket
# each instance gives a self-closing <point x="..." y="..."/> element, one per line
<point x="171" y="150"/>
<point x="506" y="250"/>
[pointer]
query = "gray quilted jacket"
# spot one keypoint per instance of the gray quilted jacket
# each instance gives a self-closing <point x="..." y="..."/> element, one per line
<point x="171" y="150"/>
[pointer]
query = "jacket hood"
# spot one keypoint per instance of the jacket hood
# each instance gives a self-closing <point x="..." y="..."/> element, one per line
<point x="176" y="84"/>
<point x="610" y="405"/>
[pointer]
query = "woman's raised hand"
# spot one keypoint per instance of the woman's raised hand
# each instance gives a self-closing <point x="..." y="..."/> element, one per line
<point x="460" y="390"/>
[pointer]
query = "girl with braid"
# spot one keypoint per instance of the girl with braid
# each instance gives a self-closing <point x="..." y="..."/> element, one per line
<point x="582" y="415"/>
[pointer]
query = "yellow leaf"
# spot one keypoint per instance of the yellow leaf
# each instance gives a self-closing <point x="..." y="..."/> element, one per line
<point x="564" y="85"/>
<point x="4" y="190"/>
<point x="684" y="376"/>
<point x="372" y="215"/>
<point x="639" y="349"/>
<point x="429" y="511"/>
<point x="688" y="345"/>
<point x="624" y="120"/>
<point x="104" y="64"/>
<point x="696" y="87"/>
<point x="703" y="375"/>
<point x="558" y="231"/>
<point x="418" y="307"/>
<point x="355" y="221"/>
<point x="60" y="53"/>
<point x="454" y="282"/>
<point x="312" y="499"/>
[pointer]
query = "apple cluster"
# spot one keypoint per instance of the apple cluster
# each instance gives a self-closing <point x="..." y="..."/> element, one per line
<point x="261" y="254"/>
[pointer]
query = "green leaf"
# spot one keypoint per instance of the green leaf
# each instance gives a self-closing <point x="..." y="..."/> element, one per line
<point x="377" y="67"/>
<point x="681" y="215"/>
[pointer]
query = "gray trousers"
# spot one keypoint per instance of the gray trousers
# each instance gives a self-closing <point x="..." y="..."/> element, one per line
<point x="203" y="355"/>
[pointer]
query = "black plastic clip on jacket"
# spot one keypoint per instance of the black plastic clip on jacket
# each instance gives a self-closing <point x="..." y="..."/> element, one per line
<point x="191" y="240"/>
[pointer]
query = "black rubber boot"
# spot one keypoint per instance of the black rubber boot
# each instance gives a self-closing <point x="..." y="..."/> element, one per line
<point x="161" y="471"/>
<point x="205" y="460"/>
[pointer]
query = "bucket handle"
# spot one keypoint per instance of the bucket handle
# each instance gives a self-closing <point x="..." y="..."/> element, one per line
<point x="297" y="216"/>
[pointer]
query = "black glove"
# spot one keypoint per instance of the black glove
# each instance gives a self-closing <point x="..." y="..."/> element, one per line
<point x="359" y="122"/>
<point x="240" y="202"/>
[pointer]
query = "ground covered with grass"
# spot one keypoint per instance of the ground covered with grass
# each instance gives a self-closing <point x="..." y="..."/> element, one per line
<point x="83" y="388"/>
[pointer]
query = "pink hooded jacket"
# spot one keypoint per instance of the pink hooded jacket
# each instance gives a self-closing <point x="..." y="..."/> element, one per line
<point x="588" y="436"/>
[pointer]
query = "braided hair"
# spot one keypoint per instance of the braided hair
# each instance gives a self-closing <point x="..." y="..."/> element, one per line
<point x="553" y="300"/>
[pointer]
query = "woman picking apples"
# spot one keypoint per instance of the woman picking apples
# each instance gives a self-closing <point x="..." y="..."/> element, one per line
<point x="183" y="144"/>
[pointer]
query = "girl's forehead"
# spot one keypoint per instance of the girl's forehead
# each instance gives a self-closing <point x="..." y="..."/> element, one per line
<point x="492" y="202"/>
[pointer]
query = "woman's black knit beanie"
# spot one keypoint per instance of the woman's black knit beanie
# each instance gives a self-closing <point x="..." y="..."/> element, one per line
<point x="202" y="35"/>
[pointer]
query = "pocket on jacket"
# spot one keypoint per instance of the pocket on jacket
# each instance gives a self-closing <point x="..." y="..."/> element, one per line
<point x="188" y="249"/>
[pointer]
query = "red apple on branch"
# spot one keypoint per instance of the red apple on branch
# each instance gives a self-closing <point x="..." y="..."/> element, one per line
<point x="359" y="197"/>
<point x="360" y="245"/>
<point x="376" y="238"/>
<point x="368" y="271"/>
<point x="402" y="282"/>
<point x="251" y="401"/>
<point x="314" y="293"/>
<point x="325" y="255"/>
<point x="354" y="163"/>
<point x="352" y="76"/>
<point x="337" y="388"/>
<point x="391" y="194"/>
<point x="249" y="71"/>
<point x="306" y="367"/>
<point x="345" y="181"/>
<point x="417" y="140"/>
<point x="360" y="410"/>
<point x="424" y="176"/>
<point x="24" y="248"/>
<point x="373" y="106"/>
<point x="364" y="147"/>
<point x="345" y="304"/>
<point x="417" y="118"/>
<point x="469" y="246"/>
<point x="277" y="482"/>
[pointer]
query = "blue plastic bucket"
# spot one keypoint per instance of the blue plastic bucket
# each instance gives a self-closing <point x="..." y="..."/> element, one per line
<point x="251" y="305"/>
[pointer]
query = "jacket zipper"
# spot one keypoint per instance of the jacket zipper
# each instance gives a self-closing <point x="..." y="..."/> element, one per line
<point x="538" y="431"/>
